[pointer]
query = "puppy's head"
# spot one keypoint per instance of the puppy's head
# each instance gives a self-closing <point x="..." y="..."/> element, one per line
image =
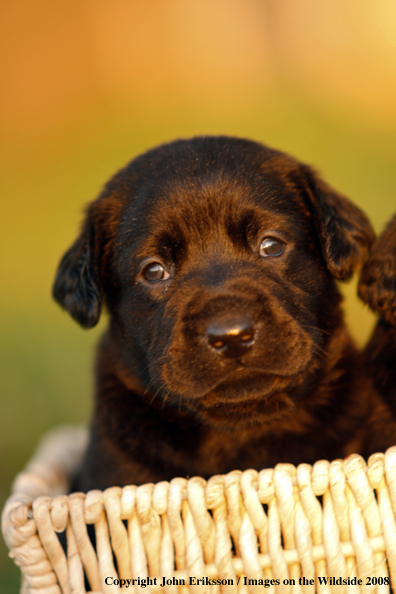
<point x="377" y="285"/>
<point x="216" y="258"/>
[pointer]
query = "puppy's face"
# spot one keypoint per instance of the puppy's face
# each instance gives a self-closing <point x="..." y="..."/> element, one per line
<point x="216" y="258"/>
<point x="220" y="288"/>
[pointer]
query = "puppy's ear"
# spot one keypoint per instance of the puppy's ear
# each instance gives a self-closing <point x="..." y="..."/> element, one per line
<point x="77" y="287"/>
<point x="377" y="285"/>
<point x="344" y="232"/>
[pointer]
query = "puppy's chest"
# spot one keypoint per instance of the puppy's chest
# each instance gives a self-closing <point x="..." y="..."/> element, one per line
<point x="207" y="452"/>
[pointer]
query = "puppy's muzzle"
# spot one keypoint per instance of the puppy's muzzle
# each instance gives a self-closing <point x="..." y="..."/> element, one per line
<point x="232" y="337"/>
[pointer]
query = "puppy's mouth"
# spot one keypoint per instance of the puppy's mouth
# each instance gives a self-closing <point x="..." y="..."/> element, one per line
<point x="241" y="386"/>
<point x="244" y="395"/>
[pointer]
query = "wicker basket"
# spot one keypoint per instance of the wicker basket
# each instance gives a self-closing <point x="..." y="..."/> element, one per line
<point x="285" y="530"/>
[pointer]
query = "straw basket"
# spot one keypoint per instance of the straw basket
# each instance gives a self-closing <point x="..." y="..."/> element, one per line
<point x="283" y="530"/>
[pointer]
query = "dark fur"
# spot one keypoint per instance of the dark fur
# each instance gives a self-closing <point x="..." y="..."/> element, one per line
<point x="377" y="287"/>
<point x="167" y="403"/>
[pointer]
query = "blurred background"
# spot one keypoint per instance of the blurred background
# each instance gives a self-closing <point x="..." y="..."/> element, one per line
<point x="88" y="84"/>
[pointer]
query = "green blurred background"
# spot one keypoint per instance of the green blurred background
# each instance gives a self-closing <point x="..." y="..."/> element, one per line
<point x="88" y="84"/>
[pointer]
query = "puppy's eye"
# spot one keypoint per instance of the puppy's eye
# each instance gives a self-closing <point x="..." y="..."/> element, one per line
<point x="155" y="272"/>
<point x="271" y="247"/>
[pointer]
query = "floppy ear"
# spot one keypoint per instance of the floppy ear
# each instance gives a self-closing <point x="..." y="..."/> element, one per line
<point x="377" y="285"/>
<point x="77" y="287"/>
<point x="344" y="231"/>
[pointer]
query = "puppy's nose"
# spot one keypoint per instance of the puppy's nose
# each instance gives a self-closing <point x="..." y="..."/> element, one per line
<point x="233" y="338"/>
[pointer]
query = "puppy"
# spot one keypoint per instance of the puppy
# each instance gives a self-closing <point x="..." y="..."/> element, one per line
<point x="377" y="287"/>
<point x="217" y="260"/>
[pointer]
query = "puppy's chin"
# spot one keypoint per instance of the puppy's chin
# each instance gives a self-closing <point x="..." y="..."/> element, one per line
<point x="245" y="412"/>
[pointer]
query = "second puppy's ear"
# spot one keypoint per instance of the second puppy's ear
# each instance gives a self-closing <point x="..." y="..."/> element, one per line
<point x="377" y="285"/>
<point x="77" y="287"/>
<point x="344" y="231"/>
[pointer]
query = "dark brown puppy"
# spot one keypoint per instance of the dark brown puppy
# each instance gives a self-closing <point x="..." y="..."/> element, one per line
<point x="217" y="260"/>
<point x="377" y="287"/>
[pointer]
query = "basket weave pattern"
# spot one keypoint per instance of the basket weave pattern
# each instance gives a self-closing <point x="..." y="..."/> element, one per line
<point x="215" y="529"/>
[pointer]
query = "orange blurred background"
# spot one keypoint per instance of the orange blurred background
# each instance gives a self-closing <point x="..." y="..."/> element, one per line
<point x="88" y="84"/>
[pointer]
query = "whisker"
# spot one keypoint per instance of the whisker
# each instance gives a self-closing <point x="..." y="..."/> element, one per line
<point x="147" y="388"/>
<point x="316" y="328"/>
<point x="157" y="392"/>
<point x="153" y="398"/>
<point x="320" y="351"/>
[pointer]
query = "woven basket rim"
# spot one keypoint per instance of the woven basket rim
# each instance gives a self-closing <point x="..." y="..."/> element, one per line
<point x="329" y="520"/>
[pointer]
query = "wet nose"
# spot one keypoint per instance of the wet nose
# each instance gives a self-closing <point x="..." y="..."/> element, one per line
<point x="233" y="338"/>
